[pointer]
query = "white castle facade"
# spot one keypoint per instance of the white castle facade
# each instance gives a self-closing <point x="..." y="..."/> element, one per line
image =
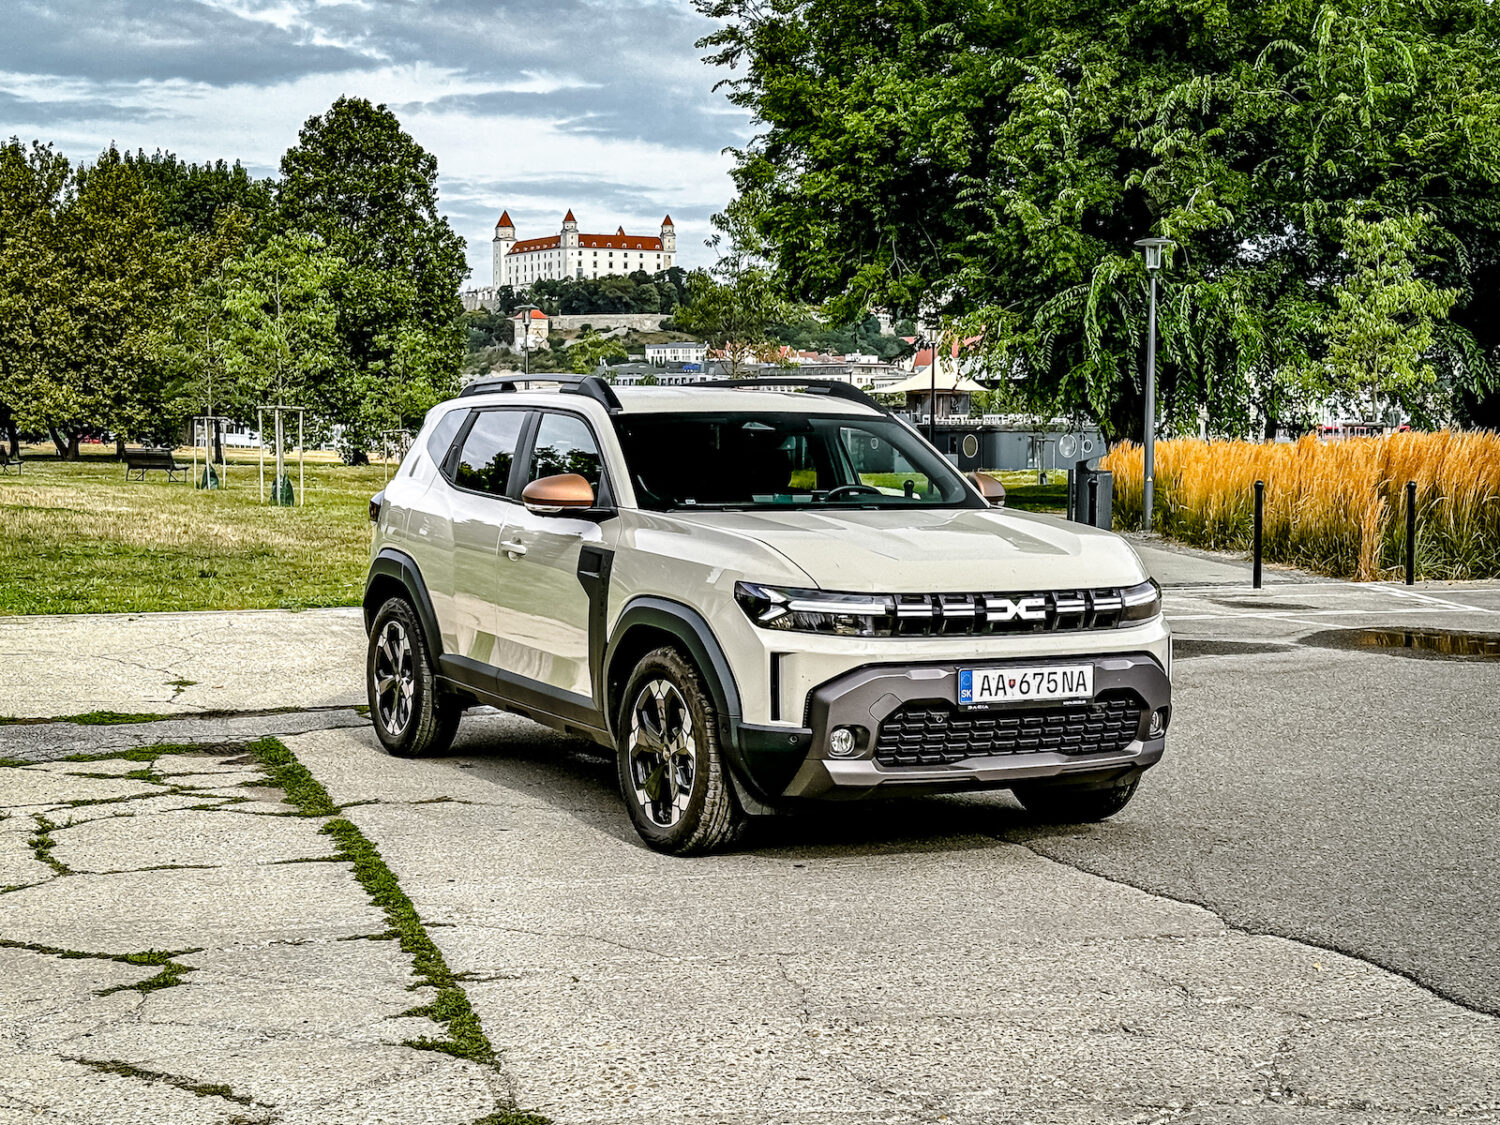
<point x="569" y="254"/>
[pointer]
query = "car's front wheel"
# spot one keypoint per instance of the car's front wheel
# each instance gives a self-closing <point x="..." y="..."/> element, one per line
<point x="671" y="773"/>
<point x="412" y="716"/>
<point x="1071" y="804"/>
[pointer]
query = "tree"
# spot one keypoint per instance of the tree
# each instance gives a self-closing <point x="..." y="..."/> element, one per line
<point x="363" y="186"/>
<point x="592" y="349"/>
<point x="733" y="305"/>
<point x="88" y="280"/>
<point x="281" y="342"/>
<point x="994" y="164"/>
<point x="1381" y="330"/>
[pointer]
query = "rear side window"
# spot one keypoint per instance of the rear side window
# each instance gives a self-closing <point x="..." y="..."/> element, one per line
<point x="565" y="445"/>
<point x="489" y="451"/>
<point x="443" y="434"/>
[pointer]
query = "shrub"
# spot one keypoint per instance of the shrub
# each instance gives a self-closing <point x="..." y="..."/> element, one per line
<point x="1336" y="507"/>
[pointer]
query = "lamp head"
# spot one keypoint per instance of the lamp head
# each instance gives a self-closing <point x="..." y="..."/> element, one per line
<point x="1153" y="248"/>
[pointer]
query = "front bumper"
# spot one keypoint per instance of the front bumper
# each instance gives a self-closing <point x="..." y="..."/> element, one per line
<point x="867" y="697"/>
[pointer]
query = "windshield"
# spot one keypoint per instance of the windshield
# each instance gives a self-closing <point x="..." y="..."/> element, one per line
<point x="753" y="460"/>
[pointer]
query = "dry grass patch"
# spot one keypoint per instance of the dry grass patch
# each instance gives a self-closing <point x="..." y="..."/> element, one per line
<point x="79" y="538"/>
<point x="1335" y="507"/>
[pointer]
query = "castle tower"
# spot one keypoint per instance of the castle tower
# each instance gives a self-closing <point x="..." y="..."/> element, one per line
<point x="570" y="231"/>
<point x="505" y="238"/>
<point x="668" y="236"/>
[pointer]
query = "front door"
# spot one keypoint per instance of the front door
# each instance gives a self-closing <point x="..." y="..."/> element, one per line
<point x="543" y="607"/>
<point x="478" y="516"/>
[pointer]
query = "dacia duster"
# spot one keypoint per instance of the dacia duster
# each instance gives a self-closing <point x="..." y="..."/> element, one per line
<point x="756" y="594"/>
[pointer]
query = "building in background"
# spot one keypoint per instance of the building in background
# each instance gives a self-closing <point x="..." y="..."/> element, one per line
<point x="520" y="263"/>
<point x="679" y="351"/>
<point x="531" y="329"/>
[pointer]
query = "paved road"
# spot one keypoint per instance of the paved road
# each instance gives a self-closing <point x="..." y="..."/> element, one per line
<point x="1345" y="798"/>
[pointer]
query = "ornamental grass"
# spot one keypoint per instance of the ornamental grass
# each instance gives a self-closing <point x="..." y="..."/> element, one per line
<point x="1334" y="507"/>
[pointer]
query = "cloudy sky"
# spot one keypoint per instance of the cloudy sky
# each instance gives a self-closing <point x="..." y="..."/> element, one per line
<point x="536" y="106"/>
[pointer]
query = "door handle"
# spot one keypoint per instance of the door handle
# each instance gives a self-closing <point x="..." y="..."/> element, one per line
<point x="515" y="548"/>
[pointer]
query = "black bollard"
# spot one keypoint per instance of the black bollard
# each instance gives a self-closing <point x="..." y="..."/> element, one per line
<point x="1411" y="533"/>
<point x="1260" y="520"/>
<point x="1093" y="501"/>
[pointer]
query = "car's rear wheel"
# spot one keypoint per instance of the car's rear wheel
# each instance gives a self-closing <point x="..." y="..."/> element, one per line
<point x="1072" y="804"/>
<point x="411" y="714"/>
<point x="671" y="772"/>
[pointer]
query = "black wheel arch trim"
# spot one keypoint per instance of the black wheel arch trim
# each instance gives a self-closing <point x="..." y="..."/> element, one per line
<point x="759" y="758"/>
<point x="390" y="563"/>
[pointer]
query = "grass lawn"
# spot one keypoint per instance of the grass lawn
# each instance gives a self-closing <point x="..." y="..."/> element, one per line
<point x="79" y="538"/>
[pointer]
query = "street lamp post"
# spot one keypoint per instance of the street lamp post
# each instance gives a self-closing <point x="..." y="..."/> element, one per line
<point x="932" y="383"/>
<point x="1153" y="248"/>
<point x="524" y="312"/>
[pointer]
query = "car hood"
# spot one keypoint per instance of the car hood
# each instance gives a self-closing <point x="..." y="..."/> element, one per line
<point x="907" y="551"/>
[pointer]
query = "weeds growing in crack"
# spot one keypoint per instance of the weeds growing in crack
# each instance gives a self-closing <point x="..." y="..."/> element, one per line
<point x="127" y="1070"/>
<point x="171" y="972"/>
<point x="303" y="791"/>
<point x="42" y="844"/>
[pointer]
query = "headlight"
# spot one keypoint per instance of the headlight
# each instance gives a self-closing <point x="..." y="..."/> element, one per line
<point x="1142" y="602"/>
<point x="815" y="611"/>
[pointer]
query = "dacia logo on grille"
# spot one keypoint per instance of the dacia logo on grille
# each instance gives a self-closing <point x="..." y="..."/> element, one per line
<point x="1024" y="609"/>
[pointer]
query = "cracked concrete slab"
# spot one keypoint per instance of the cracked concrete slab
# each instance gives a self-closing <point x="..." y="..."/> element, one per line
<point x="246" y="660"/>
<point x="185" y="837"/>
<point x="185" y="908"/>
<point x="937" y="977"/>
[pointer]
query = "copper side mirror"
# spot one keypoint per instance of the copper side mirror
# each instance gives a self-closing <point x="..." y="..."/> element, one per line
<point x="557" y="493"/>
<point x="990" y="488"/>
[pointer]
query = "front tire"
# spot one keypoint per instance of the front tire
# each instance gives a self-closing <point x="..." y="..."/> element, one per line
<point x="1070" y="804"/>
<point x="670" y="769"/>
<point x="412" y="716"/>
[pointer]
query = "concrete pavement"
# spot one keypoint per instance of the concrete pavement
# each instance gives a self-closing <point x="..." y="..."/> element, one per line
<point x="1293" y="922"/>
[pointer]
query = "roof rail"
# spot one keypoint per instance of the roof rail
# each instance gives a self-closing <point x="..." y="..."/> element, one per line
<point x="590" y="386"/>
<point x="812" y="386"/>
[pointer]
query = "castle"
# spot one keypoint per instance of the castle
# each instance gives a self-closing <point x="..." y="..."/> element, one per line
<point x="570" y="254"/>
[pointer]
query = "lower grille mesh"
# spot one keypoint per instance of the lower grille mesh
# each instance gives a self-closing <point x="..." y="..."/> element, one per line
<point x="938" y="734"/>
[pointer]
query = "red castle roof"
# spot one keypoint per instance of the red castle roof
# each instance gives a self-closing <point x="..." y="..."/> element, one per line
<point x="568" y="218"/>
<point x="505" y="220"/>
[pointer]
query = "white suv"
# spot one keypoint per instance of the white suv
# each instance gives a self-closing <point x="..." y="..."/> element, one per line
<point x="755" y="594"/>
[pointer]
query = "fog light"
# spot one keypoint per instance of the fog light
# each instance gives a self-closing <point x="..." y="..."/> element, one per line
<point x="842" y="743"/>
<point x="1158" y="725"/>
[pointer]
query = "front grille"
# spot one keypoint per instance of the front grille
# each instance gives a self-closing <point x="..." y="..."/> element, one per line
<point x="1038" y="611"/>
<point x="939" y="734"/>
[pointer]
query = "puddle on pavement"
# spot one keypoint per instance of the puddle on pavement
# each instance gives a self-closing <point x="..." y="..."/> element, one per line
<point x="1186" y="648"/>
<point x="1424" y="644"/>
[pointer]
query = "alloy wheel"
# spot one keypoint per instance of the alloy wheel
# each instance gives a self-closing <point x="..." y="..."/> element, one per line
<point x="395" y="678"/>
<point x="663" y="753"/>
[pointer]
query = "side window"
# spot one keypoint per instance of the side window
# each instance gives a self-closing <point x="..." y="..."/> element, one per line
<point x="443" y="434"/>
<point x="564" y="445"/>
<point x="489" y="449"/>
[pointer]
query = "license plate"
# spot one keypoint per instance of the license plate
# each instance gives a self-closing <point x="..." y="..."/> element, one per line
<point x="1010" y="685"/>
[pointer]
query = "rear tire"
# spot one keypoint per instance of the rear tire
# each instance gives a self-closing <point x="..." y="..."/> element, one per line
<point x="412" y="715"/>
<point x="1070" y="804"/>
<point x="670" y="769"/>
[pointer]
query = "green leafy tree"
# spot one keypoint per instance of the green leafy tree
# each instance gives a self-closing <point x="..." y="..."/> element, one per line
<point x="733" y="305"/>
<point x="591" y="349"/>
<point x="89" y="280"/>
<point x="992" y="164"/>
<point x="1382" y="328"/>
<point x="281" y="342"/>
<point x="362" y="185"/>
<point x="34" y="181"/>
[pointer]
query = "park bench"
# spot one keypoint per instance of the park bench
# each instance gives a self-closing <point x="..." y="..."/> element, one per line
<point x="7" y="462"/>
<point x="139" y="462"/>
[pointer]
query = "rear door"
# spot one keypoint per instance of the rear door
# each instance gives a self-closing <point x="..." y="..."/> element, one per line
<point x="543" y="606"/>
<point x="477" y="477"/>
